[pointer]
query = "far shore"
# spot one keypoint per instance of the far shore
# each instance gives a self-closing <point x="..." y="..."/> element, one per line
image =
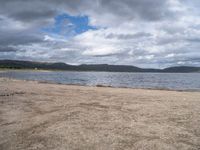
<point x="49" y="70"/>
<point x="42" y="70"/>
<point x="36" y="115"/>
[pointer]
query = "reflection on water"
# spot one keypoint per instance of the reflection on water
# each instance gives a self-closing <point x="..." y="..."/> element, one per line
<point x="177" y="81"/>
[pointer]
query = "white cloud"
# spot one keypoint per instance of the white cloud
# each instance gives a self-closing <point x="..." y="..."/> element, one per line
<point x="146" y="33"/>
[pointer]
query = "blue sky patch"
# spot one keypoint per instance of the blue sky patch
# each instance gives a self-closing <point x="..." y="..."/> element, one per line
<point x="68" y="26"/>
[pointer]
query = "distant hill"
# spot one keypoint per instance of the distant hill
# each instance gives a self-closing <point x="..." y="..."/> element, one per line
<point x="182" y="69"/>
<point x="18" y="64"/>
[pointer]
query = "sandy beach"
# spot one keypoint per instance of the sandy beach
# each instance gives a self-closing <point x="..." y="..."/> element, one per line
<point x="46" y="116"/>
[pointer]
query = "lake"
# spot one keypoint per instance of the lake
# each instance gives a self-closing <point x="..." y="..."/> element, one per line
<point x="173" y="81"/>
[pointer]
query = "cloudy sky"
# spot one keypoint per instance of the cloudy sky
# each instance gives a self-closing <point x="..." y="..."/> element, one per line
<point x="145" y="33"/>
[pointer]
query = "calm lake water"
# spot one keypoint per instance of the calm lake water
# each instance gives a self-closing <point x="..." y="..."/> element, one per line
<point x="175" y="81"/>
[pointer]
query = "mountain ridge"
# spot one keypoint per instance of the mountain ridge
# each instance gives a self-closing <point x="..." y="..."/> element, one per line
<point x="21" y="64"/>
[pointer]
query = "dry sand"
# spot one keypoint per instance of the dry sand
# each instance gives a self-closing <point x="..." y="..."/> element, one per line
<point x="49" y="116"/>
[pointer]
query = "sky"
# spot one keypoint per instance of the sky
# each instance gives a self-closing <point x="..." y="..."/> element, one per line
<point x="143" y="33"/>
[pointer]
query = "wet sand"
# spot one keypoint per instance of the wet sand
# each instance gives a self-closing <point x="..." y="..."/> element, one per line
<point x="46" y="116"/>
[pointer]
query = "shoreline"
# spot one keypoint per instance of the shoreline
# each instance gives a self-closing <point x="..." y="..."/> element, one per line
<point x="105" y="86"/>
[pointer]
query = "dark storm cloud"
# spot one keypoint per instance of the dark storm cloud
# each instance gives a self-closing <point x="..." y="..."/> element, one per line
<point x="143" y="9"/>
<point x="7" y="49"/>
<point x="36" y="10"/>
<point x="29" y="16"/>
<point x="27" y="10"/>
<point x="18" y="39"/>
